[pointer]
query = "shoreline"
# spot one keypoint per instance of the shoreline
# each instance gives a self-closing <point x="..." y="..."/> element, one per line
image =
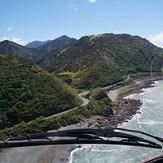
<point x="132" y="88"/>
<point x="126" y="108"/>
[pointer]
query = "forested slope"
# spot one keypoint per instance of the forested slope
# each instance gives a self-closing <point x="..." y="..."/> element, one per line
<point x="105" y="59"/>
<point x="11" y="48"/>
<point x="57" y="43"/>
<point x="28" y="91"/>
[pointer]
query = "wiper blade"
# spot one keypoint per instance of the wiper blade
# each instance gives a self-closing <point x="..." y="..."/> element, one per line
<point x="144" y="133"/>
<point x="82" y="136"/>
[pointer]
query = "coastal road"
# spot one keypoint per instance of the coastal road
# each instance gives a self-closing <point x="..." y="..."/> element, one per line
<point x="85" y="102"/>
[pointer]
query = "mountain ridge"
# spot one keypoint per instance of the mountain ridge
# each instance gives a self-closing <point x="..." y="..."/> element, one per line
<point x="12" y="48"/>
<point x="57" y="43"/>
<point x="34" y="50"/>
<point x="102" y="60"/>
<point x="36" y="44"/>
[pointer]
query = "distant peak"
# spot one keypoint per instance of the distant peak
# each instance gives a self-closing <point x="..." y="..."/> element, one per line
<point x="6" y="41"/>
<point x="64" y="36"/>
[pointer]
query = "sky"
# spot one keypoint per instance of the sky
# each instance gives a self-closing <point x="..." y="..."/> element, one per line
<point x="23" y="21"/>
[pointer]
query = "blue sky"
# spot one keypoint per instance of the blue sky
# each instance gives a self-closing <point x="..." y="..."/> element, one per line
<point x="23" y="21"/>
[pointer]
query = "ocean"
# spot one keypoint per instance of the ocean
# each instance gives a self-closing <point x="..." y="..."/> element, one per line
<point x="149" y="120"/>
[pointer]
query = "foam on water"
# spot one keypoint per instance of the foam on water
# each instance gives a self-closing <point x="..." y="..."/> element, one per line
<point x="130" y="96"/>
<point x="70" y="159"/>
<point x="150" y="101"/>
<point x="150" y="120"/>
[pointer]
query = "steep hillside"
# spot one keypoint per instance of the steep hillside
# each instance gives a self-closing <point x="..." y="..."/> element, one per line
<point x="104" y="59"/>
<point x="57" y="43"/>
<point x="36" y="44"/>
<point x="11" y="48"/>
<point x="27" y="92"/>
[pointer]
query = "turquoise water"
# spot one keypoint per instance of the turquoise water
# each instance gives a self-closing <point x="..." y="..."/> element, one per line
<point x="150" y="120"/>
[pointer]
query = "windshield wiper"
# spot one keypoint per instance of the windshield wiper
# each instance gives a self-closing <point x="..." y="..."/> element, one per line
<point x="83" y="136"/>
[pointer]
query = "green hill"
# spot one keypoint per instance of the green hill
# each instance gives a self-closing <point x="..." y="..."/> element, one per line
<point x="101" y="60"/>
<point x="11" y="48"/>
<point x="28" y="91"/>
<point x="60" y="42"/>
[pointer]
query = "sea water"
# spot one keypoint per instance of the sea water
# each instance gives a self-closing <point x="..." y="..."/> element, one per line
<point x="150" y="120"/>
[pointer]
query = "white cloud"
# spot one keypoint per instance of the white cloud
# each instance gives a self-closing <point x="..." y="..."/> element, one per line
<point x="4" y="38"/>
<point x="14" y="39"/>
<point x="157" y="39"/>
<point x="9" y="29"/>
<point x="93" y="1"/>
<point x="75" y="9"/>
<point x="72" y="6"/>
<point x="18" y="40"/>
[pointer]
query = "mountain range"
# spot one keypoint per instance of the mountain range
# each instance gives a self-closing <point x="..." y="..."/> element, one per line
<point x="93" y="61"/>
<point x="34" y="50"/>
<point x="101" y="60"/>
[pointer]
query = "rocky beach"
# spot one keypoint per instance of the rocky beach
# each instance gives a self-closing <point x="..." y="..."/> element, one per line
<point x="124" y="108"/>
